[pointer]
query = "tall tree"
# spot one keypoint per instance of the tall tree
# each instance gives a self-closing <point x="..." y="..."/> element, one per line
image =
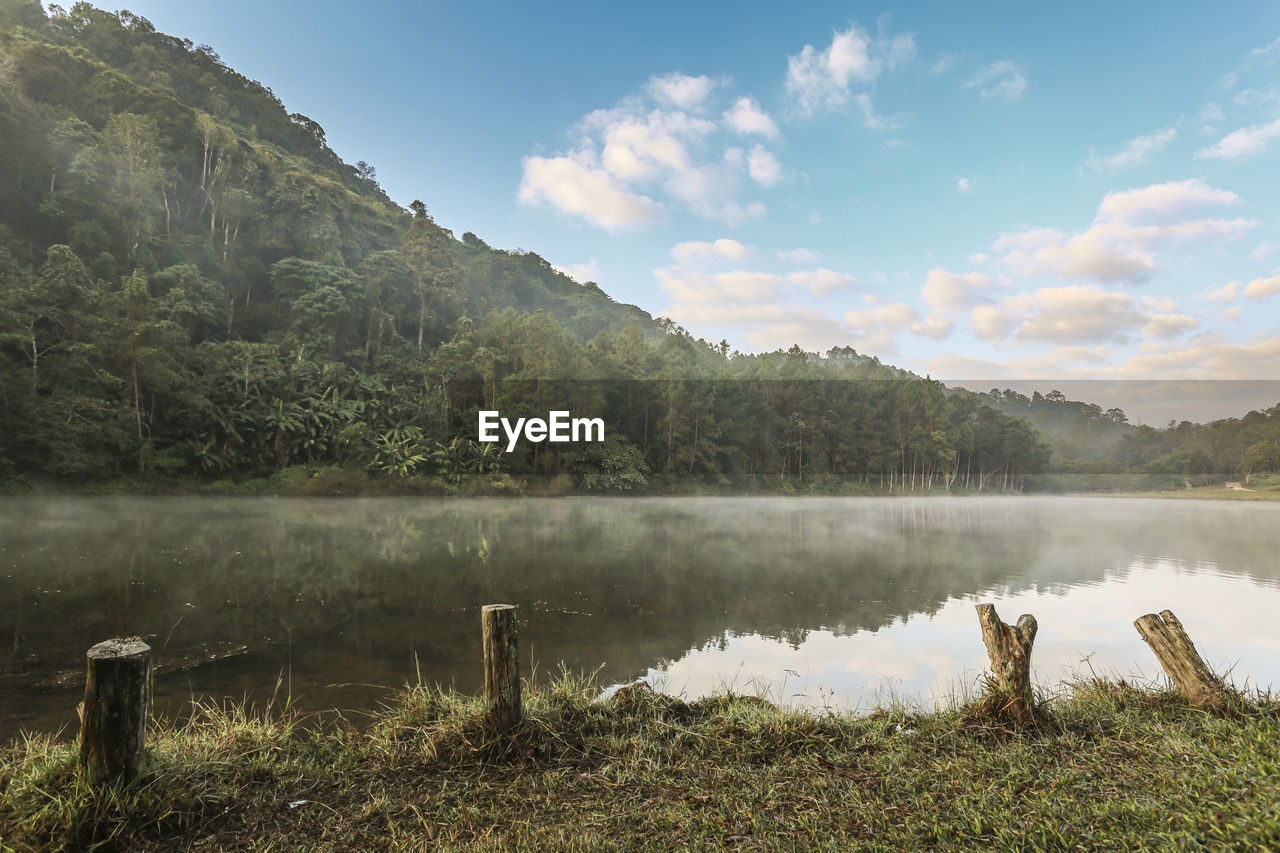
<point x="431" y="260"/>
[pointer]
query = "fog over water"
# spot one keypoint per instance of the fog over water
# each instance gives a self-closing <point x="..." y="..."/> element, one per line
<point x="828" y="602"/>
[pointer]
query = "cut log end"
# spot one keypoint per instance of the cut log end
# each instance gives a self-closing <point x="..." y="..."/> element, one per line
<point x="501" y="665"/>
<point x="1009" y="648"/>
<point x="113" y="715"/>
<point x="1180" y="660"/>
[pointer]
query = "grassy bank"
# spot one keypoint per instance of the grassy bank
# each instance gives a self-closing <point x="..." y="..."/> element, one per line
<point x="1110" y="767"/>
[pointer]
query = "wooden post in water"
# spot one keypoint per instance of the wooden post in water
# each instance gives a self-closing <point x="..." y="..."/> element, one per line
<point x="501" y="664"/>
<point x="1179" y="659"/>
<point x="113" y="718"/>
<point x="1009" y="647"/>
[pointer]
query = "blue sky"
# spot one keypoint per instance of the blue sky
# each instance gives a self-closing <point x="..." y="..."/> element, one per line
<point x="1020" y="190"/>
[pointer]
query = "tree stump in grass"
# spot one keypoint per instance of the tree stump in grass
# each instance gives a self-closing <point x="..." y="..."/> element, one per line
<point x="1009" y="647"/>
<point x="501" y="665"/>
<point x="1180" y="661"/>
<point x="113" y="717"/>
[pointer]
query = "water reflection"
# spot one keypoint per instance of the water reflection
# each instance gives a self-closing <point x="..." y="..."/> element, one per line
<point x="832" y="599"/>
<point x="931" y="659"/>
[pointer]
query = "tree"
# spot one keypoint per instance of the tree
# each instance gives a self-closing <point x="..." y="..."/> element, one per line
<point x="139" y="347"/>
<point x="130" y="152"/>
<point x="431" y="261"/>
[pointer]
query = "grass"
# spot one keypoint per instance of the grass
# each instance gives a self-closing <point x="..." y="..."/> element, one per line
<point x="1109" y="766"/>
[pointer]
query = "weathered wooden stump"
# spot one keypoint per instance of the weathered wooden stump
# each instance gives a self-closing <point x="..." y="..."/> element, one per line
<point x="1009" y="647"/>
<point x="1180" y="660"/>
<point x="113" y="717"/>
<point x="501" y="664"/>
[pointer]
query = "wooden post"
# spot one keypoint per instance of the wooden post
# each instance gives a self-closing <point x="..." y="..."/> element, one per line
<point x="501" y="664"/>
<point x="1179" y="659"/>
<point x="113" y="719"/>
<point x="1009" y="647"/>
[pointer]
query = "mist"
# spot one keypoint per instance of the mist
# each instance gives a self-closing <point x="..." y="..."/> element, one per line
<point x="812" y="600"/>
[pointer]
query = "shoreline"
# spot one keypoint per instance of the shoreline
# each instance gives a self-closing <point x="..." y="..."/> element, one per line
<point x="1108" y="766"/>
<point x="337" y="483"/>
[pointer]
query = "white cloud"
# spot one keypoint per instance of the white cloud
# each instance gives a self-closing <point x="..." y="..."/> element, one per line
<point x="1087" y="255"/>
<point x="763" y="167"/>
<point x="581" y="273"/>
<point x="1261" y="288"/>
<point x="944" y="63"/>
<point x="1204" y="357"/>
<point x="948" y="294"/>
<point x="765" y="326"/>
<point x="1162" y="202"/>
<point x="849" y="57"/>
<point x="821" y="282"/>
<point x="894" y="51"/>
<point x="1224" y="295"/>
<point x="1002" y="79"/>
<point x="1252" y="97"/>
<point x="1245" y="142"/>
<point x="1168" y="325"/>
<point x="1050" y="363"/>
<point x="1077" y="315"/>
<point x="821" y="80"/>
<point x="684" y="284"/>
<point x="629" y="156"/>
<point x="576" y="187"/>
<point x="781" y="326"/>
<point x="697" y="251"/>
<point x="746" y="117"/>
<point x="730" y="212"/>
<point x="1207" y="359"/>
<point x="767" y="310"/>
<point x="725" y="289"/>
<point x="1137" y="152"/>
<point x="1263" y="250"/>
<point x="877" y="325"/>
<point x="934" y="327"/>
<point x="993" y="324"/>
<point x="680" y="90"/>
<point x="1210" y="115"/>
<point x="1120" y="243"/>
<point x="1274" y="47"/>
<point x="946" y="291"/>
<point x="798" y="257"/>
<point x="642" y="147"/>
<point x="869" y="117"/>
<point x="964" y="185"/>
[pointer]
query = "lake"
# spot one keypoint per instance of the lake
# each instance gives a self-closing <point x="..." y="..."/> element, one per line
<point x="826" y="602"/>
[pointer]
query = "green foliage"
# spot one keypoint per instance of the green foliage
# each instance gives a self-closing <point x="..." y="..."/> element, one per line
<point x="398" y="451"/>
<point x="614" y="464"/>
<point x="192" y="281"/>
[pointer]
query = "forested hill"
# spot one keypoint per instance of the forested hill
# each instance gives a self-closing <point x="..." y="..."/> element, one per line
<point x="193" y="285"/>
<point x="143" y="151"/>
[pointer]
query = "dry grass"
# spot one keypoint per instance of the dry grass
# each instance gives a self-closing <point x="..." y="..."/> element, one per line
<point x="1108" y="766"/>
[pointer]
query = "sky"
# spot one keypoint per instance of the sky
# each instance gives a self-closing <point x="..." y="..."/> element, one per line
<point x="1004" y="190"/>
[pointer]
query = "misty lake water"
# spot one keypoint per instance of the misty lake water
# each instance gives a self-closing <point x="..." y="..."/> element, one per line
<point x="827" y="602"/>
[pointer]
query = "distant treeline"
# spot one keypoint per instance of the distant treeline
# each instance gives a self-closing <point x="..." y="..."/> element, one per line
<point x="193" y="285"/>
<point x="1091" y="445"/>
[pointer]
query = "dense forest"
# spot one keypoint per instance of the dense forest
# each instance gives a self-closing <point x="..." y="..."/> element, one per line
<point x="194" y="288"/>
